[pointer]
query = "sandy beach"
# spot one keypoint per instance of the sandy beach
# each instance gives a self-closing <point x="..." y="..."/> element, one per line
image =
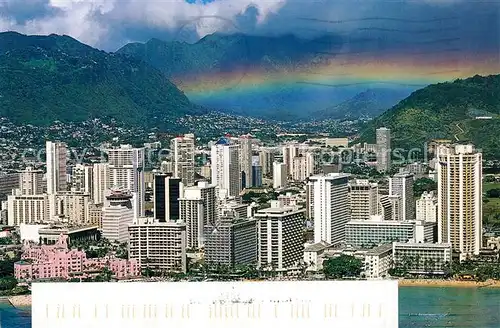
<point x="20" y="300"/>
<point x="448" y="283"/>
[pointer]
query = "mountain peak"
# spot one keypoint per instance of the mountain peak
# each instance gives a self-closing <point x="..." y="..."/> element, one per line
<point x="60" y="78"/>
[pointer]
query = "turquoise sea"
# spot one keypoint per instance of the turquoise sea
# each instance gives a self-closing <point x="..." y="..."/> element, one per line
<point x="419" y="307"/>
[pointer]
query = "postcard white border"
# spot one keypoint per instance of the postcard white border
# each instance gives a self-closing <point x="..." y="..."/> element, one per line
<point x="216" y="304"/>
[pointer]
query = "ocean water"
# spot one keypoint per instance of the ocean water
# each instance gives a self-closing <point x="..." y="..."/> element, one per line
<point x="419" y="307"/>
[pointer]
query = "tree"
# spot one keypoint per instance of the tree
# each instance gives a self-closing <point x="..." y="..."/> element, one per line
<point x="7" y="265"/>
<point x="493" y="193"/>
<point x="107" y="274"/>
<point x="423" y="184"/>
<point x="7" y="283"/>
<point x="342" y="267"/>
<point x="6" y="241"/>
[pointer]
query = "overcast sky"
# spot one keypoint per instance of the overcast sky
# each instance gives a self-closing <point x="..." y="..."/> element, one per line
<point x="109" y="24"/>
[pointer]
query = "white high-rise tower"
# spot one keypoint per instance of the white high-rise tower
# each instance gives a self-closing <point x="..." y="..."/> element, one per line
<point x="460" y="198"/>
<point x="56" y="155"/>
<point x="330" y="207"/>
<point x="226" y="167"/>
<point x="401" y="184"/>
<point x="100" y="182"/>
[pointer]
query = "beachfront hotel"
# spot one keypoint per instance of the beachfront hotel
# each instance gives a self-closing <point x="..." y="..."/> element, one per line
<point x="422" y="258"/>
<point x="58" y="261"/>
<point x="460" y="198"/>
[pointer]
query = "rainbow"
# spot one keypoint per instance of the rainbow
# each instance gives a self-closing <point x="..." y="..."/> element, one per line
<point x="411" y="72"/>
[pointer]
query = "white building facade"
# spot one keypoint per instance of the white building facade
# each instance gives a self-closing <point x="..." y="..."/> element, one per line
<point x="225" y="160"/>
<point x="330" y="207"/>
<point x="460" y="195"/>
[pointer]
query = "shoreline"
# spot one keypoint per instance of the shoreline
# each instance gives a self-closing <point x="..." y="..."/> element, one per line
<point x="448" y="283"/>
<point x="19" y="301"/>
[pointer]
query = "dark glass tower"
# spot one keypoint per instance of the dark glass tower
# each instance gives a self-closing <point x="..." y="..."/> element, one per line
<point x="167" y="191"/>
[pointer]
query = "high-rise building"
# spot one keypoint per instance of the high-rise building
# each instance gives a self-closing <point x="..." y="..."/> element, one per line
<point x="279" y="175"/>
<point x="82" y="178"/>
<point x="280" y="237"/>
<point x="28" y="209"/>
<point x="396" y="202"/>
<point x="198" y="208"/>
<point x="363" y="199"/>
<point x="231" y="241"/>
<point x="266" y="160"/>
<point x="159" y="246"/>
<point x="167" y="167"/>
<point x="183" y="158"/>
<point x="304" y="165"/>
<point x="31" y="181"/>
<point x="256" y="172"/>
<point x="460" y="198"/>
<point x="95" y="215"/>
<point x="290" y="151"/>
<point x="309" y="200"/>
<point x="100" y="182"/>
<point x="8" y="182"/>
<point x="206" y="171"/>
<point x="234" y="208"/>
<point x="383" y="149"/>
<point x="226" y="174"/>
<point x="385" y="207"/>
<point x="126" y="170"/>
<point x="167" y="191"/>
<point x="245" y="143"/>
<point x="427" y="207"/>
<point x="73" y="206"/>
<point x="117" y="215"/>
<point x="56" y="156"/>
<point x="402" y="184"/>
<point x="330" y="208"/>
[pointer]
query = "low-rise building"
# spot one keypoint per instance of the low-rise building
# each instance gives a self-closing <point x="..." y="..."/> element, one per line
<point x="313" y="256"/>
<point x="493" y="243"/>
<point x="374" y="232"/>
<point x="58" y="261"/>
<point x="49" y="235"/>
<point x="378" y="261"/>
<point x="422" y="258"/>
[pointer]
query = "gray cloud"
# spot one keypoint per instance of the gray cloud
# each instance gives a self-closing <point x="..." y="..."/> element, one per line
<point x="108" y="24"/>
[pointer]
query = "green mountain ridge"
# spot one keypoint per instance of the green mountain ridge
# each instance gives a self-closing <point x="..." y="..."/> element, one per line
<point x="216" y="56"/>
<point x="48" y="78"/>
<point x="446" y="110"/>
<point x="368" y="104"/>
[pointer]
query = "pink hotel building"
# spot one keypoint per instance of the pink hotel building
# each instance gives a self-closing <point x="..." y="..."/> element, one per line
<point x="58" y="261"/>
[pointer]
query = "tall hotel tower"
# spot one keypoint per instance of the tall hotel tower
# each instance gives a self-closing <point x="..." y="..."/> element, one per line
<point x="126" y="170"/>
<point x="460" y="198"/>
